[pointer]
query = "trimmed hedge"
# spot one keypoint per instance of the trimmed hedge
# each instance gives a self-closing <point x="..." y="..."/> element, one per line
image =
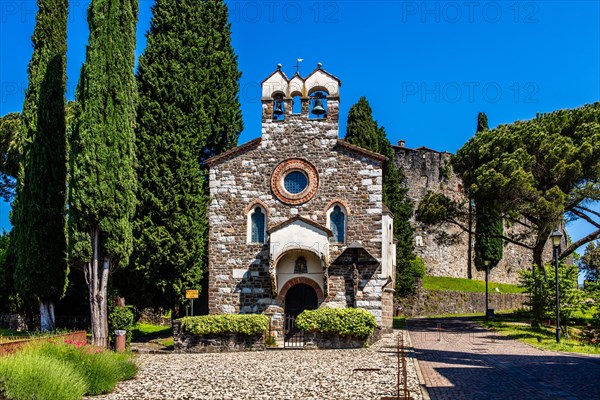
<point x="355" y="322"/>
<point x="246" y="324"/>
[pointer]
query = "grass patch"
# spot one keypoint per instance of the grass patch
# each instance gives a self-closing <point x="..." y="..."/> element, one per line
<point x="503" y="315"/>
<point x="467" y="285"/>
<point x="10" y="332"/>
<point x="164" y="342"/>
<point x="62" y="371"/>
<point x="474" y="315"/>
<point x="399" y="323"/>
<point x="167" y="342"/>
<point x="516" y="325"/>
<point x="543" y="337"/>
<point x="144" y="330"/>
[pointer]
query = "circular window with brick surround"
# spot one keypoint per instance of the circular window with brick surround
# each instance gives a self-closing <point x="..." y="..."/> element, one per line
<point x="295" y="181"/>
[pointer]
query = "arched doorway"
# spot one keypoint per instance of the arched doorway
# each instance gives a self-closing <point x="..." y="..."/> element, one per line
<point x="300" y="297"/>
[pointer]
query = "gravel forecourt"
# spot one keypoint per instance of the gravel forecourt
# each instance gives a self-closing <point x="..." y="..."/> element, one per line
<point x="271" y="374"/>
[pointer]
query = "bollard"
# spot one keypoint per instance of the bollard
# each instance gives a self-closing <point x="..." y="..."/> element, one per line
<point x="120" y="336"/>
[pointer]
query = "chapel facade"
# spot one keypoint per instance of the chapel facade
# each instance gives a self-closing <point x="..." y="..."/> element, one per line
<point x="296" y="218"/>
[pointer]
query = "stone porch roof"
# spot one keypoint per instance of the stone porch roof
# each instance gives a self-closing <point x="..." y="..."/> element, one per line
<point x="299" y="218"/>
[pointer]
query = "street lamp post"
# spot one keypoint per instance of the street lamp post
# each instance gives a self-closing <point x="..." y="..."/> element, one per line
<point x="487" y="272"/>
<point x="556" y="237"/>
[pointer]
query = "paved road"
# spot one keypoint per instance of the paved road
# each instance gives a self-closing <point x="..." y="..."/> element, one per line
<point x="465" y="361"/>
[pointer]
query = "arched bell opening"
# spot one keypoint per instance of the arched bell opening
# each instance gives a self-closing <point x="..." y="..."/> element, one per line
<point x="318" y="105"/>
<point x="296" y="103"/>
<point x="278" y="107"/>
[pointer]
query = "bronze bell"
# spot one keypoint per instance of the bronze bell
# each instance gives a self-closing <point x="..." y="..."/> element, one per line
<point x="278" y="110"/>
<point x="318" y="107"/>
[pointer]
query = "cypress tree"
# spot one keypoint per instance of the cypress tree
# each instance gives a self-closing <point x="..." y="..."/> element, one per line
<point x="188" y="111"/>
<point x="489" y="227"/>
<point x="482" y="125"/>
<point x="488" y="243"/>
<point x="482" y="122"/>
<point x="39" y="209"/>
<point x="362" y="130"/>
<point x="219" y="88"/>
<point x="11" y="128"/>
<point x="102" y="185"/>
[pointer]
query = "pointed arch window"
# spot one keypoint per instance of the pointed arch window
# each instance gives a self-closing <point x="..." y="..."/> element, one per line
<point x="257" y="223"/>
<point x="337" y="223"/>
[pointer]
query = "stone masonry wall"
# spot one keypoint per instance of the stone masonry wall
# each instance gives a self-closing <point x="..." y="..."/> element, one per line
<point x="444" y="249"/>
<point x="437" y="302"/>
<point x="239" y="280"/>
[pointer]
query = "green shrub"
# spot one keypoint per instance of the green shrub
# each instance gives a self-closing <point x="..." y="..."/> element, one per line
<point x="407" y="275"/>
<point x="247" y="324"/>
<point x="354" y="322"/>
<point x="26" y="375"/>
<point x="270" y="341"/>
<point x="101" y="369"/>
<point x="62" y="371"/>
<point x="121" y="318"/>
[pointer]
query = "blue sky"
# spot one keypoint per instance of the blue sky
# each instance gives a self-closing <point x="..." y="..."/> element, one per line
<point x="427" y="68"/>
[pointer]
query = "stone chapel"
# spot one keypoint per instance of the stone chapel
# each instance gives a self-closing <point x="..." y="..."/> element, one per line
<point x="296" y="219"/>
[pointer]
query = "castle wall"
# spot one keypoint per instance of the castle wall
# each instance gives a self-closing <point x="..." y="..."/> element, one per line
<point x="444" y="249"/>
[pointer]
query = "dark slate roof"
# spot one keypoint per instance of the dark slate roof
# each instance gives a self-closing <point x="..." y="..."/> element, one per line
<point x="233" y="152"/>
<point x="360" y="150"/>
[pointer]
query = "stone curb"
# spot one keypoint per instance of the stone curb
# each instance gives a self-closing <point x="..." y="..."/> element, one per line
<point x="424" y="391"/>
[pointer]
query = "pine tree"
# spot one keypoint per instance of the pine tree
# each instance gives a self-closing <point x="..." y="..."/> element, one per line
<point x="188" y="111"/>
<point x="362" y="130"/>
<point x="103" y="184"/>
<point x="39" y="209"/>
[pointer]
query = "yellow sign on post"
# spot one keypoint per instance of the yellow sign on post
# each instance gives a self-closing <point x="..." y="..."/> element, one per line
<point x="191" y="294"/>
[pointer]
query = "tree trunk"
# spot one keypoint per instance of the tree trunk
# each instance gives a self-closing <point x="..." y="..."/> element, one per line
<point x="538" y="257"/>
<point x="175" y="313"/>
<point x="47" y="316"/>
<point x="538" y="261"/>
<point x="97" y="279"/>
<point x="470" y="248"/>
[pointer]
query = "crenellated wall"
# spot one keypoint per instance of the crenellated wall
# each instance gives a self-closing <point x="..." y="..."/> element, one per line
<point x="444" y="249"/>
